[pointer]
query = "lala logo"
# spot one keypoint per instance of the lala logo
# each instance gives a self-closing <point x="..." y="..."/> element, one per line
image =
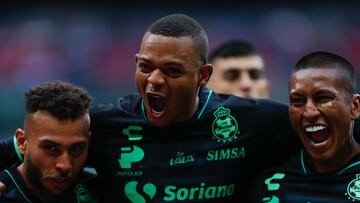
<point x="181" y="159"/>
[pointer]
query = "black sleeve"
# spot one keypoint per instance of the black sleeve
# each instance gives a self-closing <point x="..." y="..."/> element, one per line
<point x="98" y="116"/>
<point x="8" y="153"/>
<point x="283" y="142"/>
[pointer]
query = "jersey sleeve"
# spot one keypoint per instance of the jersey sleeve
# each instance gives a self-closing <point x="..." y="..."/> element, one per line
<point x="98" y="116"/>
<point x="9" y="153"/>
<point x="283" y="141"/>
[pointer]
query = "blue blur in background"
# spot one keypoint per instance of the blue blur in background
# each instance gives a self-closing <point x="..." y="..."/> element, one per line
<point x="93" y="45"/>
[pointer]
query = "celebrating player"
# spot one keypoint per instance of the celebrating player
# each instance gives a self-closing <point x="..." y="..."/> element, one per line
<point x="54" y="143"/>
<point x="176" y="140"/>
<point x="323" y="107"/>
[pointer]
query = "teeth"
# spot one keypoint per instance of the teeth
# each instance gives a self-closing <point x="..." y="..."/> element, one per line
<point x="314" y="128"/>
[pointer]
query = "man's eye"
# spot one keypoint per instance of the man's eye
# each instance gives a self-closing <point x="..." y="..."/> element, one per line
<point x="174" y="71"/>
<point x="255" y="74"/>
<point x="231" y="75"/>
<point x="50" y="148"/>
<point x="76" y="150"/>
<point x="145" y="68"/>
<point x="297" y="101"/>
<point x="324" y="99"/>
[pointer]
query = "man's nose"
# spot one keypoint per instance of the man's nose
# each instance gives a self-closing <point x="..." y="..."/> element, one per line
<point x="64" y="163"/>
<point x="244" y="84"/>
<point x="245" y="80"/>
<point x="156" y="77"/>
<point x="311" y="113"/>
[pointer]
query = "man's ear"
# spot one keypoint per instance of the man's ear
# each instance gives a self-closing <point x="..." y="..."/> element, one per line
<point x="21" y="140"/>
<point x="355" y="106"/>
<point x="136" y="58"/>
<point x="205" y="74"/>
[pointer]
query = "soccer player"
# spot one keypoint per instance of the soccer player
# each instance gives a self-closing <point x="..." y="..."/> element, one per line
<point x="323" y="107"/>
<point x="239" y="69"/>
<point x="176" y="140"/>
<point x="54" y="144"/>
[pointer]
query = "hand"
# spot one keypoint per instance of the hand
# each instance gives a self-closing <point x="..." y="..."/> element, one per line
<point x="2" y="188"/>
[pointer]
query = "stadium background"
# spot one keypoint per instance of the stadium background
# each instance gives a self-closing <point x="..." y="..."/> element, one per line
<point x="93" y="45"/>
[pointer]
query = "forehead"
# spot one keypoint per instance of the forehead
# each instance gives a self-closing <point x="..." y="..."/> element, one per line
<point x="240" y="62"/>
<point x="318" y="77"/>
<point x="42" y="125"/>
<point x="158" y="46"/>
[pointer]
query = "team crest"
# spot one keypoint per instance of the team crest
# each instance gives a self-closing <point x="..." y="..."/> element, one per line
<point x="224" y="127"/>
<point x="353" y="189"/>
<point x="84" y="195"/>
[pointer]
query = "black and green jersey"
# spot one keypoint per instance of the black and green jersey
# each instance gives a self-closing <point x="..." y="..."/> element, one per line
<point x="296" y="182"/>
<point x="211" y="158"/>
<point x="17" y="191"/>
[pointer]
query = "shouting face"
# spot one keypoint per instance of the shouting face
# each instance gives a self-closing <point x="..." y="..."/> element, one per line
<point x="322" y="112"/>
<point x="168" y="75"/>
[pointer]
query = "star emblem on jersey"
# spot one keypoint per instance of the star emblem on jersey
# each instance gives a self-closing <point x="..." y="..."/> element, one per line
<point x="353" y="189"/>
<point x="224" y="127"/>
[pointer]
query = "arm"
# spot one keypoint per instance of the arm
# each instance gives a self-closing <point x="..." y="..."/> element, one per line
<point x="9" y="153"/>
<point x="282" y="141"/>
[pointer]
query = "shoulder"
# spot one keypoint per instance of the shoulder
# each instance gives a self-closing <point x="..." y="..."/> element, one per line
<point x="128" y="106"/>
<point x="265" y="108"/>
<point x="12" y="192"/>
<point x="292" y="166"/>
<point x="5" y="177"/>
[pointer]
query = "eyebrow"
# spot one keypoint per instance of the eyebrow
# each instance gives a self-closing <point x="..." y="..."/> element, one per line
<point x="46" y="141"/>
<point x="294" y="93"/>
<point x="325" y="91"/>
<point x="144" y="59"/>
<point x="49" y="142"/>
<point x="170" y="63"/>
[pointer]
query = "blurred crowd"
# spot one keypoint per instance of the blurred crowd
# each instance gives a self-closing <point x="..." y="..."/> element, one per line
<point x="94" y="46"/>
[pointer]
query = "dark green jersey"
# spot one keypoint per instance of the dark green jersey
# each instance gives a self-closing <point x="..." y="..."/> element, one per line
<point x="211" y="158"/>
<point x="17" y="191"/>
<point x="296" y="182"/>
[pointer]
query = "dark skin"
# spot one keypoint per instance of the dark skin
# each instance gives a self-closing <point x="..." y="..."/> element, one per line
<point x="170" y="69"/>
<point x="169" y="74"/>
<point x="54" y="153"/>
<point x="322" y="112"/>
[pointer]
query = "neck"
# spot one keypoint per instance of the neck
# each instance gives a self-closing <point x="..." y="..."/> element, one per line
<point x="188" y="113"/>
<point x="21" y="170"/>
<point x="350" y="149"/>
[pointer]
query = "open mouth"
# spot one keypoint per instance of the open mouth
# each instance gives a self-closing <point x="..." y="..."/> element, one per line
<point x="318" y="134"/>
<point x="157" y="103"/>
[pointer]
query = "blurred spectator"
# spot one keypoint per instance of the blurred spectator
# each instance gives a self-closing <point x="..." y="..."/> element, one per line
<point x="238" y="70"/>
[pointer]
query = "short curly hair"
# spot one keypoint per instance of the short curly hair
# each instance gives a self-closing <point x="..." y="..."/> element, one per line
<point x="61" y="99"/>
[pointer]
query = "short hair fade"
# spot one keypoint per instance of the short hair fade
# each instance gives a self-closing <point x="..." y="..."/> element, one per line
<point x="180" y="25"/>
<point x="233" y="48"/>
<point x="62" y="100"/>
<point x="327" y="60"/>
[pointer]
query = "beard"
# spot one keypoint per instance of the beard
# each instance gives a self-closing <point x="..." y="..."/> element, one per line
<point x="34" y="176"/>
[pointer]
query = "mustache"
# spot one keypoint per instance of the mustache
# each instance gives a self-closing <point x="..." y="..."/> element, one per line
<point x="55" y="175"/>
